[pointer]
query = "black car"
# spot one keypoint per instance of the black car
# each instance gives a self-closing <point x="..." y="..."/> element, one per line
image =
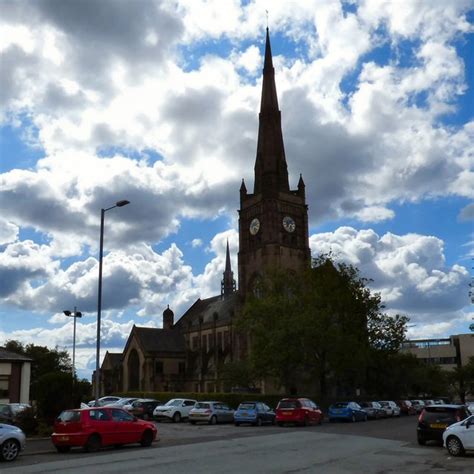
<point x="144" y="407"/>
<point x="9" y="412"/>
<point x="435" y="419"/>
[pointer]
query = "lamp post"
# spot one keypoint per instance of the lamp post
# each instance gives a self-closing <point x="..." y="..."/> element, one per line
<point x="99" y="298"/>
<point x="73" y="314"/>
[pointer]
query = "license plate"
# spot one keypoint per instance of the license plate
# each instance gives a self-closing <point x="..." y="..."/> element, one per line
<point x="438" y="425"/>
<point x="287" y="413"/>
<point x="64" y="438"/>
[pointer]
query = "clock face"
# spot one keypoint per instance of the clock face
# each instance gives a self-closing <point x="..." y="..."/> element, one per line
<point x="254" y="226"/>
<point x="289" y="224"/>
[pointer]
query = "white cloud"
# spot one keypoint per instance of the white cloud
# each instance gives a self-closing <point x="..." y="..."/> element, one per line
<point x="409" y="271"/>
<point x="196" y="243"/>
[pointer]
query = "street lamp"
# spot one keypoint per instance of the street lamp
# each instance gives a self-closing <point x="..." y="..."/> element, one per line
<point x="73" y="314"/>
<point x="99" y="300"/>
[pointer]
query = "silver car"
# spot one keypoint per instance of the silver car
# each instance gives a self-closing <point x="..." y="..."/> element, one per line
<point x="211" y="412"/>
<point x="12" y="441"/>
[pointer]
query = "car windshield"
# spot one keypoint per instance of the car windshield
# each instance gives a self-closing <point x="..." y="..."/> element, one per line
<point x="441" y="415"/>
<point x="173" y="403"/>
<point x="285" y="404"/>
<point x="125" y="401"/>
<point x="69" y="415"/>
<point x="340" y="405"/>
<point x="247" y="406"/>
<point x="202" y="405"/>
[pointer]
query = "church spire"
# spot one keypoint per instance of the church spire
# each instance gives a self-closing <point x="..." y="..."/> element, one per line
<point x="228" y="283"/>
<point x="271" y="171"/>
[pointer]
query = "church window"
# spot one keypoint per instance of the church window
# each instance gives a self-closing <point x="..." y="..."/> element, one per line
<point x="195" y="342"/>
<point x="226" y="338"/>
<point x="211" y="341"/>
<point x="204" y="343"/>
<point x="219" y="340"/>
<point x="181" y="368"/>
<point x="158" y="367"/>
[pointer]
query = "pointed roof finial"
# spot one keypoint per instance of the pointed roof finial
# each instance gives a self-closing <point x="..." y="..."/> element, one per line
<point x="266" y="12"/>
<point x="227" y="258"/>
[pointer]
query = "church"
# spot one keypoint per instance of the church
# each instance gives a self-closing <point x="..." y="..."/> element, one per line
<point x="185" y="355"/>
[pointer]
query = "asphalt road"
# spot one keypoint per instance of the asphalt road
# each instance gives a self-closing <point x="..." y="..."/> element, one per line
<point x="383" y="446"/>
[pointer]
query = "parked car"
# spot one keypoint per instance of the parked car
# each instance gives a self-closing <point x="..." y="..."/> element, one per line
<point x="9" y="412"/>
<point x="350" y="411"/>
<point x="373" y="409"/>
<point x="255" y="413"/>
<point x="93" y="428"/>
<point x="302" y="411"/>
<point x="175" y="410"/>
<point x="459" y="436"/>
<point x="406" y="407"/>
<point x="390" y="407"/>
<point x="143" y="408"/>
<point x="418" y="405"/>
<point x="211" y="412"/>
<point x="104" y="400"/>
<point x="434" y="419"/>
<point x="12" y="442"/>
<point x="430" y="402"/>
<point x="470" y="407"/>
<point x="121" y="403"/>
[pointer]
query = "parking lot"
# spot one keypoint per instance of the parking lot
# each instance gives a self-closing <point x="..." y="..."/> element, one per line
<point x="386" y="440"/>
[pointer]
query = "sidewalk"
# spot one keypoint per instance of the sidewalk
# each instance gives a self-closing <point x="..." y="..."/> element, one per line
<point x="38" y="446"/>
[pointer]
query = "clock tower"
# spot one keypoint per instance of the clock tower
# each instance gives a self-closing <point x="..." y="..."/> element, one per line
<point x="273" y="221"/>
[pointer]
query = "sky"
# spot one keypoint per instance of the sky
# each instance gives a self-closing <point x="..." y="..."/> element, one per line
<point x="157" y="102"/>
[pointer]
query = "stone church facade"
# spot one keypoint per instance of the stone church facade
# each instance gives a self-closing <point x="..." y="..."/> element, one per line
<point x="273" y="233"/>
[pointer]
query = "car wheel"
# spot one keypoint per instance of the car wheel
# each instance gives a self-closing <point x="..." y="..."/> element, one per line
<point x="421" y="440"/>
<point x="237" y="424"/>
<point x="454" y="445"/>
<point x="93" y="443"/>
<point x="213" y="420"/>
<point x="353" y="419"/>
<point x="192" y="422"/>
<point x="320" y="420"/>
<point x="365" y="418"/>
<point x="147" y="438"/>
<point x="177" y="417"/>
<point x="280" y="423"/>
<point x="305" y="421"/>
<point x="259" y="422"/>
<point x="9" y="450"/>
<point x="63" y="449"/>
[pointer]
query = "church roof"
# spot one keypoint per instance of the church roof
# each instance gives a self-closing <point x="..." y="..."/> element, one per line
<point x="114" y="357"/>
<point x="224" y="308"/>
<point x="159" y="340"/>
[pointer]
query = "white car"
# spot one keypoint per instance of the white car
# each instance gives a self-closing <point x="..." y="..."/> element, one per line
<point x="104" y="401"/>
<point x="390" y="407"/>
<point x="12" y="441"/>
<point x="175" y="409"/>
<point x="459" y="436"/>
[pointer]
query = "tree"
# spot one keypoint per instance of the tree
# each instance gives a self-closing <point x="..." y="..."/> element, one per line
<point x="322" y="324"/>
<point x="44" y="361"/>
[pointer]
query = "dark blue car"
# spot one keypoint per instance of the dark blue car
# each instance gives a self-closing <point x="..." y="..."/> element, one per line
<point x="350" y="411"/>
<point x="255" y="413"/>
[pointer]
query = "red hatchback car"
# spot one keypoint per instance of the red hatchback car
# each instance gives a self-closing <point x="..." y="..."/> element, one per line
<point x="93" y="428"/>
<point x="302" y="411"/>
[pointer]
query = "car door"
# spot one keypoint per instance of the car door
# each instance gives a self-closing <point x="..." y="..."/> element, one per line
<point x="468" y="433"/>
<point x="102" y="423"/>
<point x="127" y="430"/>
<point x="188" y="405"/>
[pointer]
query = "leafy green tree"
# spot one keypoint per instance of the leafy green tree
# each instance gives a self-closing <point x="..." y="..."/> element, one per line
<point x="322" y="324"/>
<point x="44" y="361"/>
<point x="237" y="374"/>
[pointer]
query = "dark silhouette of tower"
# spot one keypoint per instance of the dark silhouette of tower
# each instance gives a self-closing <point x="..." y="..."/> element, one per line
<point x="273" y="221"/>
<point x="228" y="283"/>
